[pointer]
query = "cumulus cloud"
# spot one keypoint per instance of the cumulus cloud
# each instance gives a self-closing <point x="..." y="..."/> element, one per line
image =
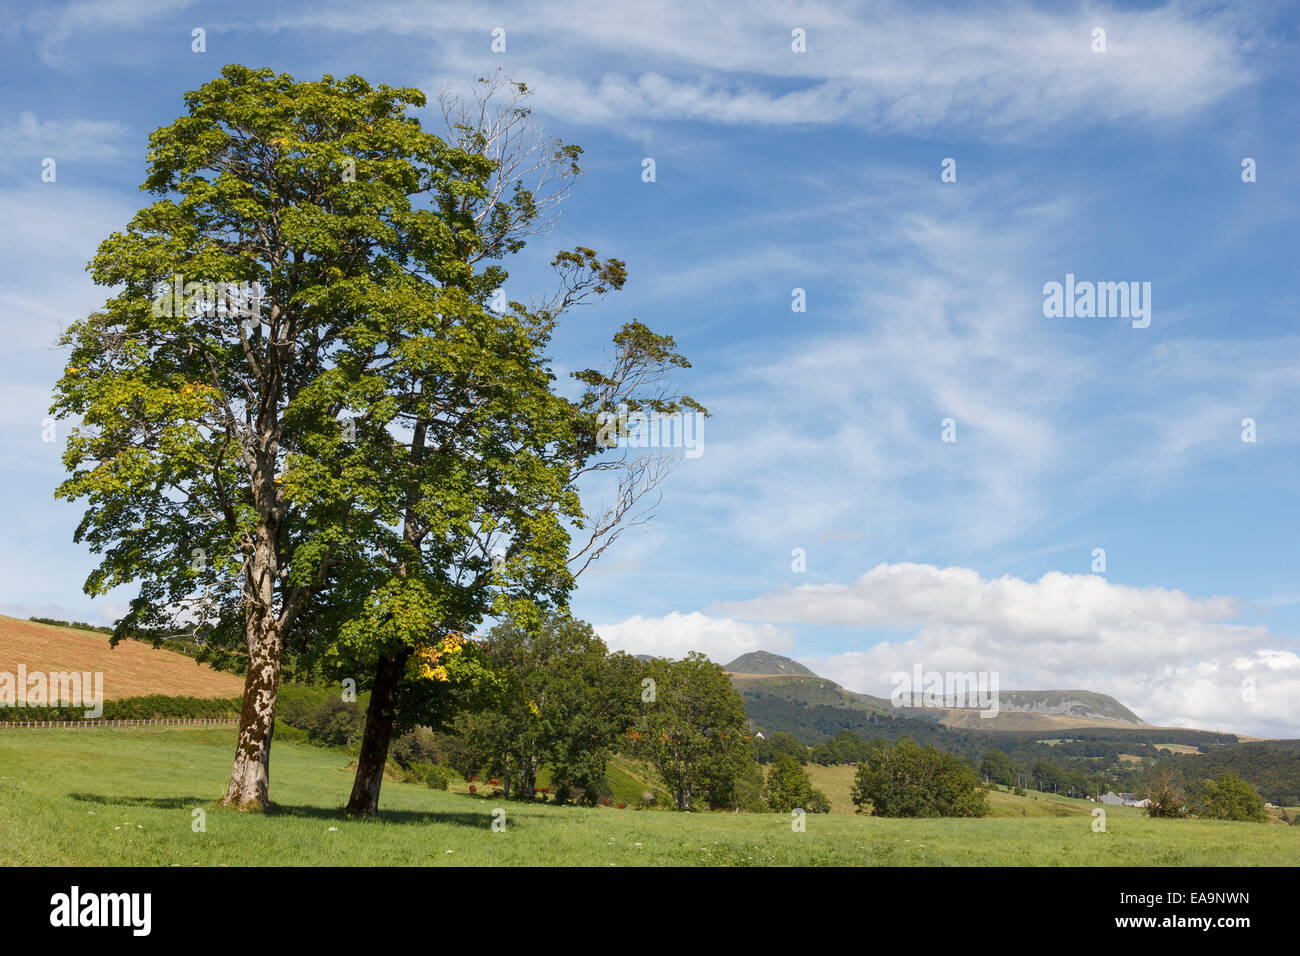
<point x="1069" y="606"/>
<point x="676" y="634"/>
<point x="1174" y="658"/>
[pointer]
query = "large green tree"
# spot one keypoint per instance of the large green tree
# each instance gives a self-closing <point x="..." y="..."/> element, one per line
<point x="787" y="785"/>
<point x="692" y="729"/>
<point x="997" y="767"/>
<point x="910" y="781"/>
<point x="232" y="449"/>
<point x="569" y="705"/>
<point x="1228" y="797"/>
<point x="484" y="453"/>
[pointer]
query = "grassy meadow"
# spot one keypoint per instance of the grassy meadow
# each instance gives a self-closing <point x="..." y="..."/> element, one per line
<point x="126" y="797"/>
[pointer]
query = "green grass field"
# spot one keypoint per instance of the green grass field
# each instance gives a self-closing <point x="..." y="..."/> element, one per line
<point x="125" y="797"/>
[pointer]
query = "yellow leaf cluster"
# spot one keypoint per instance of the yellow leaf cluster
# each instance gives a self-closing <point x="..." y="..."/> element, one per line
<point x="432" y="659"/>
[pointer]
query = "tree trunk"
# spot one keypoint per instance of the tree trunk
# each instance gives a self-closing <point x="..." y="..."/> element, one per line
<point x="377" y="735"/>
<point x="529" y="789"/>
<point x="250" y="777"/>
<point x="388" y="672"/>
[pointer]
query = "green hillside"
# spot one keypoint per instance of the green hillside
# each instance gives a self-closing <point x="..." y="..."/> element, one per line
<point x="764" y="662"/>
<point x="762" y="672"/>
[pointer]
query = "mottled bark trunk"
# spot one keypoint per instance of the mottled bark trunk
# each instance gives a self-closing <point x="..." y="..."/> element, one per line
<point x="250" y="777"/>
<point x="377" y="735"/>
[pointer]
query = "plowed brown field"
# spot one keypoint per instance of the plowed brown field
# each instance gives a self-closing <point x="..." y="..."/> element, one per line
<point x="132" y="669"/>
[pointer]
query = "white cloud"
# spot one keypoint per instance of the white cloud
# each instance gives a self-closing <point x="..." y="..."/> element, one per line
<point x="27" y="137"/>
<point x="675" y="635"/>
<point x="836" y="427"/>
<point x="1071" y="606"/>
<point x="53" y="25"/>
<point x="43" y="264"/>
<point x="942" y="319"/>
<point x="1173" y="658"/>
<point x="1007" y="72"/>
<point x="1001" y="73"/>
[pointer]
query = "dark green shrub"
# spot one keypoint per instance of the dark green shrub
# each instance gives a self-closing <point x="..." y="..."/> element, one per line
<point x="419" y="745"/>
<point x="336" y="723"/>
<point x="329" y="720"/>
<point x="817" y="803"/>
<point x="787" y="785"/>
<point x="431" y="775"/>
<point x="590" y="792"/>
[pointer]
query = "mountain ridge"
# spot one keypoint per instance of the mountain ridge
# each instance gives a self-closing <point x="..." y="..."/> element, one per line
<point x="1055" y="709"/>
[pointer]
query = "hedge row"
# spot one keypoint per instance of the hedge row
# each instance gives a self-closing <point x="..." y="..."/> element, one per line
<point x="74" y="625"/>
<point x="134" y="708"/>
<point x="318" y="713"/>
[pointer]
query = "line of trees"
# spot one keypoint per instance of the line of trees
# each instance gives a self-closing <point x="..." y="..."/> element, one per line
<point x="567" y="705"/>
<point x="845" y="747"/>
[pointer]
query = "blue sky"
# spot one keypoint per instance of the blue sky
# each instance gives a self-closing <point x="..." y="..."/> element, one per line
<point x="820" y="170"/>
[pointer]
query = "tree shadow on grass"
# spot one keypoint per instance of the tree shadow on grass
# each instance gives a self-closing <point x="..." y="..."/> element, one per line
<point x="153" y="803"/>
<point x="478" y="821"/>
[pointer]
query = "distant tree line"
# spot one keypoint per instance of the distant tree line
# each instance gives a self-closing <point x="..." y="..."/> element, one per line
<point x="1083" y="762"/>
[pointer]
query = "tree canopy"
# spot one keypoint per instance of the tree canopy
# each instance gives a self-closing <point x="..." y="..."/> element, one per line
<point x="692" y="729"/>
<point x="905" y="780"/>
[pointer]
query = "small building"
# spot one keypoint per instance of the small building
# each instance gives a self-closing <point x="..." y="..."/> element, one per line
<point x="1112" y="799"/>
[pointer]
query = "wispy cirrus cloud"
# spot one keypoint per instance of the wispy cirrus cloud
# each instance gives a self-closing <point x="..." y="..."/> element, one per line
<point x="52" y="25"/>
<point x="27" y="137"/>
<point x="1008" y="72"/>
